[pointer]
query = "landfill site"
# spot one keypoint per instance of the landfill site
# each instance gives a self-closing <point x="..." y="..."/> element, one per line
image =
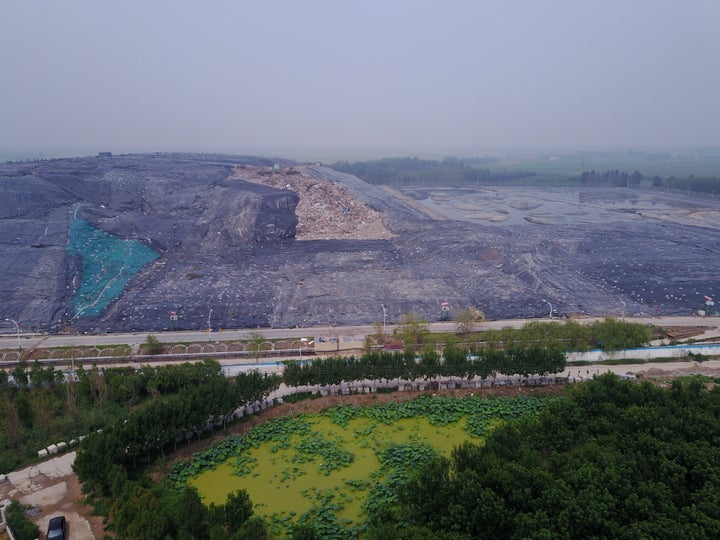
<point x="151" y="242"/>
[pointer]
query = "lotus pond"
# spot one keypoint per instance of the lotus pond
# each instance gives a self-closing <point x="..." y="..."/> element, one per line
<point x="341" y="467"/>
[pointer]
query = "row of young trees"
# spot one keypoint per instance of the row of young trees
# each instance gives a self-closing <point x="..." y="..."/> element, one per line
<point x="387" y="366"/>
<point x="39" y="406"/>
<point x="609" y="334"/>
<point x="156" y="424"/>
<point x="112" y="463"/>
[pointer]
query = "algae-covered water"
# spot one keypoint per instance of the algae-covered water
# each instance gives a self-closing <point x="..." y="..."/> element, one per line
<point x="342" y="469"/>
<point x="290" y="479"/>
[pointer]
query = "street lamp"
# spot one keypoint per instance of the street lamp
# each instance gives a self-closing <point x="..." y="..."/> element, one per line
<point x="209" y="326"/>
<point x="549" y="304"/>
<point x="623" y="308"/>
<point x="17" y="329"/>
<point x="384" y="314"/>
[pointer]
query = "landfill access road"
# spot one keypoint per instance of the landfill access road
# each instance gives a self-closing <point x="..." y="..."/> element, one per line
<point x="26" y="341"/>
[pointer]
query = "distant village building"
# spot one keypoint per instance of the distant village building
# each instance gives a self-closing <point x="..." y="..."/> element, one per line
<point x="104" y="154"/>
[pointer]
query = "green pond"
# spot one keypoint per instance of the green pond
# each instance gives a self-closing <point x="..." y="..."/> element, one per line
<point x="338" y="469"/>
<point x="285" y="483"/>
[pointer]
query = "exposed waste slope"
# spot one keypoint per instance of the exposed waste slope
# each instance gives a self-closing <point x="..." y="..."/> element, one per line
<point x="326" y="209"/>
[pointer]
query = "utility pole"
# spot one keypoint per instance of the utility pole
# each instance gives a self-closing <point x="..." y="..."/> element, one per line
<point x="549" y="304"/>
<point x="17" y="329"/>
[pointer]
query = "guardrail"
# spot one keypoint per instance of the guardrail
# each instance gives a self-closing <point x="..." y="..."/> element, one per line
<point x="154" y="358"/>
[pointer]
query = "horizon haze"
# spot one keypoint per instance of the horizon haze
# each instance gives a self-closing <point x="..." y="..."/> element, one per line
<point x="340" y="80"/>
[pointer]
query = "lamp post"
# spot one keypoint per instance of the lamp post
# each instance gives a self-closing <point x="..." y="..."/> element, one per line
<point x="17" y="329"/>
<point x="384" y="314"/>
<point x="623" y="308"/>
<point x="549" y="304"/>
<point x="209" y="325"/>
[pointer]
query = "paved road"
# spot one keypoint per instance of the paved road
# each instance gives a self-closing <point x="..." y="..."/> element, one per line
<point x="9" y="341"/>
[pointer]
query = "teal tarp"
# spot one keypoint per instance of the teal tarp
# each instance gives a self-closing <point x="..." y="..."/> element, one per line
<point x="108" y="264"/>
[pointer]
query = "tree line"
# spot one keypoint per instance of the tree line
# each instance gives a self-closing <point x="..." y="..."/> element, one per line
<point x="609" y="334"/>
<point x="615" y="459"/>
<point x="388" y="366"/>
<point x="617" y="178"/>
<point x="40" y="405"/>
<point x="412" y="171"/>
<point x="692" y="184"/>
<point x="134" y="417"/>
<point x="610" y="178"/>
<point x="112" y="463"/>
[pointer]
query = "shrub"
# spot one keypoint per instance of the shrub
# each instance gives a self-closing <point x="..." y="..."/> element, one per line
<point x="22" y="527"/>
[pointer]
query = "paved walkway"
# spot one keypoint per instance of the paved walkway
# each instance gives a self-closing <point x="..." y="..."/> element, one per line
<point x="44" y="486"/>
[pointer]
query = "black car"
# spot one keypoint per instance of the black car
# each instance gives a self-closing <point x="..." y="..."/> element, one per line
<point x="57" y="528"/>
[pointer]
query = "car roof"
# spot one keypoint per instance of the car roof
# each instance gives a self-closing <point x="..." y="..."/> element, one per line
<point x="57" y="519"/>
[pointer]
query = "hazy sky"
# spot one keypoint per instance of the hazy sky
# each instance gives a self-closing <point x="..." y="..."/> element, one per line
<point x="241" y="76"/>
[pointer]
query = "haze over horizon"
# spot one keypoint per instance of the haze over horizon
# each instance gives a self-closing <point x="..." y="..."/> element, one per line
<point x="340" y="78"/>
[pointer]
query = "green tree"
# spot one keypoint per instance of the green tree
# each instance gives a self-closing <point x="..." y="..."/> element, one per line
<point x="253" y="529"/>
<point x="614" y="459"/>
<point x="20" y="374"/>
<point x="234" y="513"/>
<point x="367" y="345"/>
<point x="304" y="531"/>
<point x="153" y="345"/>
<point x="24" y="409"/>
<point x="22" y="527"/>
<point x="40" y="377"/>
<point x="12" y="424"/>
<point x="412" y="330"/>
<point x="612" y="335"/>
<point x="138" y="514"/>
<point x="256" y="340"/>
<point x="98" y="385"/>
<point x="468" y="320"/>
<point x="188" y="515"/>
